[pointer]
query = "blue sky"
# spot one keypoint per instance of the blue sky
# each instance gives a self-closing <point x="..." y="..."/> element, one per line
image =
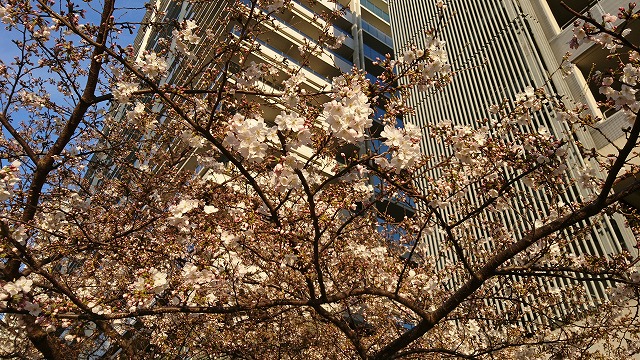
<point x="129" y="11"/>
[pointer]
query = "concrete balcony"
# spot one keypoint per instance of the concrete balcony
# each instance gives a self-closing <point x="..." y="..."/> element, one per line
<point x="562" y="29"/>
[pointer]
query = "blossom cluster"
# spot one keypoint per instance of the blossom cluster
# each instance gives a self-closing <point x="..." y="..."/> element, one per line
<point x="588" y="32"/>
<point x="404" y="145"/>
<point x="527" y="102"/>
<point x="432" y="68"/>
<point x="123" y="90"/>
<point x="249" y="137"/>
<point x="5" y="14"/>
<point x="186" y="37"/>
<point x="349" y="113"/>
<point x="15" y="288"/>
<point x="249" y="76"/>
<point x="9" y="178"/>
<point x="275" y="5"/>
<point x="152" y="65"/>
<point x="153" y="281"/>
<point x="624" y="99"/>
<point x="285" y="177"/>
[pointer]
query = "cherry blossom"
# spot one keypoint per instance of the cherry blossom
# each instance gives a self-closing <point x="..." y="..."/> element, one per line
<point x="152" y="65"/>
<point x="239" y="208"/>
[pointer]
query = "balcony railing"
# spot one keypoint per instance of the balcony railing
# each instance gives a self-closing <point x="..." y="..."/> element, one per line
<point x="372" y="54"/>
<point x="386" y="39"/>
<point x="376" y="10"/>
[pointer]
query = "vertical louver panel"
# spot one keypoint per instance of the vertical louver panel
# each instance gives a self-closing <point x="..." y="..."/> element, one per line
<point x="492" y="47"/>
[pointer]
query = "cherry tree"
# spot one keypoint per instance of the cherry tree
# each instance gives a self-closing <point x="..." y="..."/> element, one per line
<point x="188" y="200"/>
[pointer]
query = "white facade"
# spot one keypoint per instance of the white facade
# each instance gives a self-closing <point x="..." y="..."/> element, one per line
<point x="498" y="48"/>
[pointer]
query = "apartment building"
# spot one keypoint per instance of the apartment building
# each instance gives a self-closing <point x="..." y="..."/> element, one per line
<point x="364" y="26"/>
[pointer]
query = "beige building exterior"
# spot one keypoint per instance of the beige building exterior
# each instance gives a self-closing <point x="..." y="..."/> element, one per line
<point x="497" y="48"/>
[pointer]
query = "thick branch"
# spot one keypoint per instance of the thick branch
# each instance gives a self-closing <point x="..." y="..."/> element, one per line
<point x="21" y="140"/>
<point x="621" y="159"/>
<point x="590" y="209"/>
<point x="317" y="232"/>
